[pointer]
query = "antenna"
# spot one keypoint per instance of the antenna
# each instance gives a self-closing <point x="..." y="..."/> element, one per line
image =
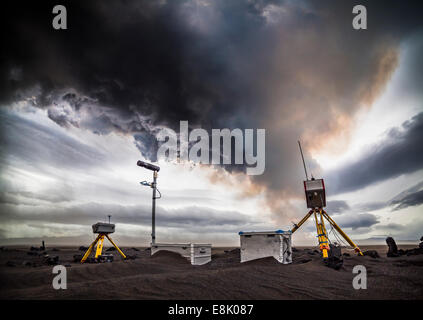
<point x="109" y="217"/>
<point x="302" y="156"/>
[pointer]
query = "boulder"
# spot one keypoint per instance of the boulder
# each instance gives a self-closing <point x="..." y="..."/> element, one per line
<point x="334" y="263"/>
<point x="413" y="252"/>
<point x="10" y="264"/>
<point x="392" y="247"/>
<point x="371" y="253"/>
<point x="51" y="261"/>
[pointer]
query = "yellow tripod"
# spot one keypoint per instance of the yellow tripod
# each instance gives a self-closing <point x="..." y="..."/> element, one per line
<point x="322" y="235"/>
<point x="100" y="241"/>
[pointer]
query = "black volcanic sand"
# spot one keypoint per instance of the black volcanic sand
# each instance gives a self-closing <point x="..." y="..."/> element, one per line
<point x="167" y="275"/>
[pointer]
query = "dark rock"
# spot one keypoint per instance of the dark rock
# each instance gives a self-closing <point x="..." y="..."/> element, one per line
<point x="111" y="249"/>
<point x="346" y="254"/>
<point x="334" y="262"/>
<point x="82" y="248"/>
<point x="68" y="265"/>
<point x="51" y="261"/>
<point x="392" y="247"/>
<point x="316" y="251"/>
<point x="10" y="264"/>
<point x="294" y="249"/>
<point x="55" y="249"/>
<point x="371" y="253"/>
<point x="148" y="249"/>
<point x="413" y="252"/>
<point x="131" y="257"/>
<point x="135" y="249"/>
<point x="34" y="249"/>
<point x="421" y="245"/>
<point x="401" y="252"/>
<point x="305" y="260"/>
<point x="77" y="257"/>
<point x="27" y="263"/>
<point x="421" y="239"/>
<point x="32" y="253"/>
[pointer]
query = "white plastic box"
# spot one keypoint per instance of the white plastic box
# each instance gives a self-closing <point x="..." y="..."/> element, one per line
<point x="196" y="253"/>
<point x="276" y="244"/>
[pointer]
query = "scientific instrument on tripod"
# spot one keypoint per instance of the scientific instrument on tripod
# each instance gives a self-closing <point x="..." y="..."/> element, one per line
<point x="316" y="200"/>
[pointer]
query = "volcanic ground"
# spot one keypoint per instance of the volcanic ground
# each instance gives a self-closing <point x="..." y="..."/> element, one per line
<point x="166" y="275"/>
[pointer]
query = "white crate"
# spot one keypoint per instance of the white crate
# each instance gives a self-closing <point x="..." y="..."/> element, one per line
<point x="196" y="253"/>
<point x="256" y="245"/>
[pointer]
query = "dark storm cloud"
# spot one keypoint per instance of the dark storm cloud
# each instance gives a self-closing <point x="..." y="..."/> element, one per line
<point x="25" y="197"/>
<point x="296" y="68"/>
<point x="337" y="206"/>
<point x="89" y="213"/>
<point x="414" y="199"/>
<point x="391" y="227"/>
<point x="411" y="196"/>
<point x="357" y="221"/>
<point x="371" y="206"/>
<point x="33" y="145"/>
<point x="401" y="152"/>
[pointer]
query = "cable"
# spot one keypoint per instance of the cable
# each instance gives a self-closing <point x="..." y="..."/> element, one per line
<point x="159" y="194"/>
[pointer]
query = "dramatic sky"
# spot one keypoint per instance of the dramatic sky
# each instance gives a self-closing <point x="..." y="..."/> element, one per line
<point x="79" y="107"/>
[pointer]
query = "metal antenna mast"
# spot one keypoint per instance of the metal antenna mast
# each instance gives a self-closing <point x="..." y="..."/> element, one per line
<point x="153" y="185"/>
<point x="302" y="156"/>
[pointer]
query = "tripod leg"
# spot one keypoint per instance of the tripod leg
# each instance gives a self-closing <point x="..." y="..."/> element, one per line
<point x="321" y="235"/>
<point x="342" y="233"/>
<point x="117" y="248"/>
<point x="90" y="248"/>
<point x="297" y="226"/>
<point x="99" y="246"/>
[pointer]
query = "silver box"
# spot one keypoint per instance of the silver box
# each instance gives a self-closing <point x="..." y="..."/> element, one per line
<point x="276" y="244"/>
<point x="102" y="227"/>
<point x="196" y="253"/>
